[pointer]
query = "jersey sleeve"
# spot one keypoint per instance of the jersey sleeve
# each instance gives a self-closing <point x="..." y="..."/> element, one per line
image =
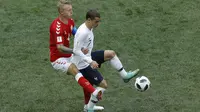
<point x="56" y="33"/>
<point x="78" y="45"/>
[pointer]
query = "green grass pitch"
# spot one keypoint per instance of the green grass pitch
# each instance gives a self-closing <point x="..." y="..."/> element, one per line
<point x="161" y="37"/>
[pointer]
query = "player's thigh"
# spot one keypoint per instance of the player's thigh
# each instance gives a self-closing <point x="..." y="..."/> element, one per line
<point x="92" y="75"/>
<point x="62" y="64"/>
<point x="98" y="56"/>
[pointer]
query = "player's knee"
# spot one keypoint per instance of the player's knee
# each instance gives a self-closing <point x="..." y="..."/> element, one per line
<point x="110" y="54"/>
<point x="104" y="84"/>
<point x="73" y="70"/>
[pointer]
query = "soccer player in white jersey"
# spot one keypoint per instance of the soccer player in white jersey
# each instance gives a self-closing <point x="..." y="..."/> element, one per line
<point x="88" y="61"/>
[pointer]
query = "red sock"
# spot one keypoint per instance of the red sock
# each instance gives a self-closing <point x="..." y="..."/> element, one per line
<point x="86" y="96"/>
<point x="86" y="85"/>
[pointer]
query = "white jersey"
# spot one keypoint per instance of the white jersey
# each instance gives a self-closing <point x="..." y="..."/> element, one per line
<point x="83" y="39"/>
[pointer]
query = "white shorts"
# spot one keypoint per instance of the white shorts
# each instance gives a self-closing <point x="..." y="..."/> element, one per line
<point x="62" y="64"/>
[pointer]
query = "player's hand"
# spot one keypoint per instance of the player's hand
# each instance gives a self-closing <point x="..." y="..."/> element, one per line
<point x="94" y="65"/>
<point x="85" y="50"/>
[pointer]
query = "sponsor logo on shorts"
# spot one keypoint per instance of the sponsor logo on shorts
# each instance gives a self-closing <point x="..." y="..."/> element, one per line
<point x="96" y="78"/>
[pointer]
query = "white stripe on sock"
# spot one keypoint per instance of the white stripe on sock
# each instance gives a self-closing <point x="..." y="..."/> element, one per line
<point x="78" y="76"/>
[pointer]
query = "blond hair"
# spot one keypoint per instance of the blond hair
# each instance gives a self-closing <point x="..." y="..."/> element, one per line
<point x="61" y="3"/>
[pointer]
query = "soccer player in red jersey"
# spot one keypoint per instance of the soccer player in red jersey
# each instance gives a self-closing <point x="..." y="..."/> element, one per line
<point x="60" y="54"/>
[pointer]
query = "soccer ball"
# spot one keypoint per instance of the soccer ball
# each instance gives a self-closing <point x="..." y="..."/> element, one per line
<point x="142" y="83"/>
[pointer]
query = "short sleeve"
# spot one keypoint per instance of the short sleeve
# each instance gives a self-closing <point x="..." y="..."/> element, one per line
<point x="56" y="33"/>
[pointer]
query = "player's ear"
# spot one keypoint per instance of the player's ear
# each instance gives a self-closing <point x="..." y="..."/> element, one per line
<point x="89" y="19"/>
<point x="61" y="12"/>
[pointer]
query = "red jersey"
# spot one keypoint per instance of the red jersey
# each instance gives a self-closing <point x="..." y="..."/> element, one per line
<point x="59" y="34"/>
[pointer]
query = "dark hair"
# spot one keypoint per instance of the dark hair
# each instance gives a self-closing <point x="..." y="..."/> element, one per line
<point x="92" y="13"/>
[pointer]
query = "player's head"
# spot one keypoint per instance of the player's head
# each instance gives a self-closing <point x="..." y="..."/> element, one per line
<point x="93" y="18"/>
<point x="65" y="8"/>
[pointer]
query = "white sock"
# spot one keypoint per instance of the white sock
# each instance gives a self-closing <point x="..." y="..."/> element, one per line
<point x="100" y="88"/>
<point x="93" y="99"/>
<point x="91" y="103"/>
<point x="116" y="64"/>
<point x="78" y="76"/>
<point x="123" y="73"/>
